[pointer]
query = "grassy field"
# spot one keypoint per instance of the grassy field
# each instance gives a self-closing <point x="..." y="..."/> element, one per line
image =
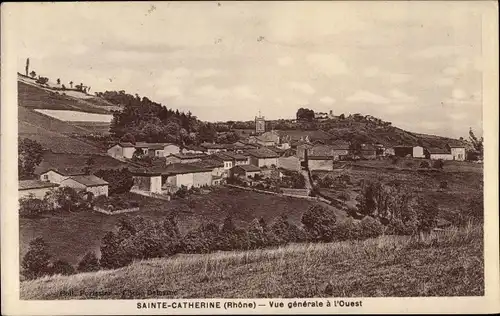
<point x="69" y="236"/>
<point x="441" y="264"/>
<point x="94" y="127"/>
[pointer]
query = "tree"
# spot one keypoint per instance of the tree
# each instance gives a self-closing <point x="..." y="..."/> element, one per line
<point x="128" y="138"/>
<point x="112" y="254"/>
<point x="319" y="223"/>
<point x="26" y="69"/>
<point x="62" y="267"/>
<point x="58" y="81"/>
<point x="477" y="143"/>
<point x="32" y="206"/>
<point x="89" y="262"/>
<point x="71" y="84"/>
<point x="89" y="164"/>
<point x="33" y="74"/>
<point x="304" y="114"/>
<point x="30" y="154"/>
<point x="120" y="180"/>
<point x="68" y="199"/>
<point x="36" y="261"/>
<point x="342" y="116"/>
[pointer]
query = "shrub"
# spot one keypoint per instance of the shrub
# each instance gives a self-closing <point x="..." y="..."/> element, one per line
<point x="68" y="199"/>
<point x="346" y="230"/>
<point x="319" y="223"/>
<point x="443" y="185"/>
<point x="438" y="164"/>
<point x="36" y="262"/>
<point x="32" y="206"/>
<point x="369" y="228"/>
<point x="282" y="232"/>
<point x="120" y="180"/>
<point x="62" y="267"/>
<point x="427" y="214"/>
<point x="203" y="239"/>
<point x="88" y="263"/>
<point x="257" y="234"/>
<point x="424" y="164"/>
<point x="112" y="254"/>
<point x="182" y="192"/>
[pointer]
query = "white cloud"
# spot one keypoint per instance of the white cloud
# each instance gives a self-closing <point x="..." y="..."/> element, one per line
<point x="170" y="91"/>
<point x="367" y="97"/>
<point x="210" y="91"/>
<point x="458" y="94"/>
<point x="437" y="51"/>
<point x="285" y="61"/>
<point x="401" y="97"/>
<point x="451" y="71"/>
<point x="444" y="82"/>
<point x="395" y="78"/>
<point x="371" y="71"/>
<point x="328" y="64"/>
<point x="206" y="73"/>
<point x="302" y="87"/>
<point x="245" y="92"/>
<point x="327" y="100"/>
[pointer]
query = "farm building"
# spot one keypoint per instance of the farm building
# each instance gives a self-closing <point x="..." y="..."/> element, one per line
<point x="57" y="176"/>
<point x="212" y="148"/>
<point x="331" y="151"/>
<point x="89" y="183"/>
<point x="438" y="154"/>
<point x="289" y="163"/>
<point x="315" y="136"/>
<point x="192" y="149"/>
<point x="217" y="166"/>
<point x="245" y="171"/>
<point x="121" y="150"/>
<point x="418" y="152"/>
<point x="237" y="159"/>
<point x="188" y="175"/>
<point x="403" y="151"/>
<point x="263" y="157"/>
<point x="241" y="146"/>
<point x="320" y="163"/>
<point x="458" y="152"/>
<point x="227" y="160"/>
<point x="301" y="149"/>
<point x="35" y="187"/>
<point x="184" y="158"/>
<point x="368" y="151"/>
<point x="146" y="181"/>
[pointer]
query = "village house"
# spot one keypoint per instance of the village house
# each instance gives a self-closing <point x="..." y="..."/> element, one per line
<point x="217" y="166"/>
<point x="294" y="136"/>
<point x="193" y="149"/>
<point x="36" y="188"/>
<point x="89" y="183"/>
<point x="263" y="157"/>
<point x="213" y="148"/>
<point x="237" y="158"/>
<point x="150" y="150"/>
<point x="240" y="146"/>
<point x="368" y="151"/>
<point x="184" y="158"/>
<point x="121" y="150"/>
<point x="145" y="181"/>
<point x="457" y="151"/>
<point x="403" y="151"/>
<point x="226" y="159"/>
<point x="301" y="149"/>
<point x="245" y="171"/>
<point x="418" y="152"/>
<point x="188" y="175"/>
<point x="54" y="175"/>
<point x="270" y="138"/>
<point x="335" y="151"/>
<point x="438" y="154"/>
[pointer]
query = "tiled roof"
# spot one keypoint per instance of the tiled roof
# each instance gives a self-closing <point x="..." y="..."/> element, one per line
<point x="234" y="156"/>
<point x="248" y="168"/>
<point x="437" y="151"/>
<point x="209" y="162"/>
<point x="299" y="134"/>
<point x="151" y="145"/>
<point x="89" y="180"/>
<point x="323" y="150"/>
<point x="212" y="146"/>
<point x="262" y="153"/>
<point x="122" y="144"/>
<point x="35" y="184"/>
<point x="188" y="155"/>
<point x="67" y="171"/>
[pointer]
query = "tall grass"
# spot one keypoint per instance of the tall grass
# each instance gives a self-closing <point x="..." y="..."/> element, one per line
<point x="445" y="263"/>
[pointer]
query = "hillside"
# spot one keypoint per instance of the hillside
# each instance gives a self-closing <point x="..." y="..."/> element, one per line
<point x="442" y="264"/>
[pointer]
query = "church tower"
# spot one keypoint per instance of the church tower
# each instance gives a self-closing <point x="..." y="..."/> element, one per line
<point x="260" y="124"/>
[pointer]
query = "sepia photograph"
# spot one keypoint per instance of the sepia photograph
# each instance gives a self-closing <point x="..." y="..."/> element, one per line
<point x="169" y="151"/>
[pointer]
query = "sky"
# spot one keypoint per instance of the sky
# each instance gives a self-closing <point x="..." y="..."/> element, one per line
<point x="415" y="64"/>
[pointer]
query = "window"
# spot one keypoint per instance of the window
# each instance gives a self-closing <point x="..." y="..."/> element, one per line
<point x="45" y="177"/>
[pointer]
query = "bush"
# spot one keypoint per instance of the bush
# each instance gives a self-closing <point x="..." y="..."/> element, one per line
<point x="424" y="164"/>
<point x="32" y="206"/>
<point x="427" y="214"/>
<point x="443" y="185"/>
<point x="257" y="234"/>
<point x="438" y="164"/>
<point x="89" y="262"/>
<point x="346" y="230"/>
<point x="68" y="199"/>
<point x="319" y="223"/>
<point x="36" y="262"/>
<point x="120" y="180"/>
<point x="203" y="239"/>
<point x="182" y="192"/>
<point x="62" y="267"/>
<point x="112" y="253"/>
<point x="369" y="228"/>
